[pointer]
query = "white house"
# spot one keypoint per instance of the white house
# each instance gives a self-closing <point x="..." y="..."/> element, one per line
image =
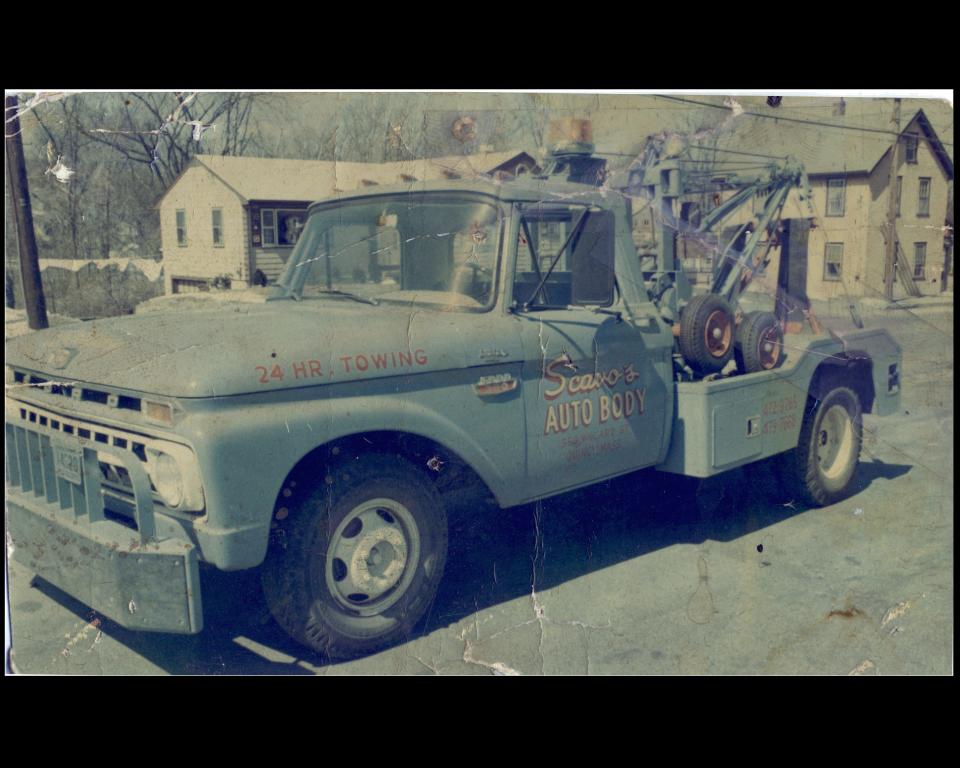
<point x="234" y="220"/>
<point x="850" y="178"/>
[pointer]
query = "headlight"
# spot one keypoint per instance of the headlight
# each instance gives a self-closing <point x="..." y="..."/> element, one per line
<point x="175" y="475"/>
<point x="167" y="479"/>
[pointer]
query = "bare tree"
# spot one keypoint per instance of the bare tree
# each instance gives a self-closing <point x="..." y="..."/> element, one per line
<point x="163" y="131"/>
<point x="62" y="126"/>
<point x="99" y="162"/>
<point x="364" y="127"/>
<point x="531" y="119"/>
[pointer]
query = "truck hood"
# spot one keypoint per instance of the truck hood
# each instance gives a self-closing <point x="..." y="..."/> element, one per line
<point x="243" y="347"/>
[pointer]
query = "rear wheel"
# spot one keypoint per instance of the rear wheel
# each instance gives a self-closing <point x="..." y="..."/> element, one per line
<point x="828" y="450"/>
<point x="355" y="565"/>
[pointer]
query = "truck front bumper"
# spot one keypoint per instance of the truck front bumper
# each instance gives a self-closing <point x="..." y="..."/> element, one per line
<point x="56" y="527"/>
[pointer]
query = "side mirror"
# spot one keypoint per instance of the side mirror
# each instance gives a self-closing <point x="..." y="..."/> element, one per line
<point x="592" y="261"/>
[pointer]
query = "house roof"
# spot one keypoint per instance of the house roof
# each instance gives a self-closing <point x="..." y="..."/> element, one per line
<point x="258" y="178"/>
<point x="854" y="142"/>
<point x="526" y="188"/>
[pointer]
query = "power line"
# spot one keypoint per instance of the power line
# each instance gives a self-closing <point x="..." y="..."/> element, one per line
<point x="864" y="129"/>
<point x="737" y="161"/>
<point x="737" y="152"/>
<point x="724" y="168"/>
<point x="700" y="148"/>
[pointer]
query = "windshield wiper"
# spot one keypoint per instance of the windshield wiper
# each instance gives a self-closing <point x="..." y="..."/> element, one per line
<point x="347" y="294"/>
<point x="547" y="307"/>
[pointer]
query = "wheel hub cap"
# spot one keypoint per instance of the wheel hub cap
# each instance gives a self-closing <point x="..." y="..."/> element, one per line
<point x="378" y="561"/>
<point x="770" y="345"/>
<point x="834" y="442"/>
<point x="371" y="556"/>
<point x="717" y="333"/>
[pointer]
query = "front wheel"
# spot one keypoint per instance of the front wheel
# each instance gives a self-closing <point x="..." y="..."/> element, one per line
<point x="356" y="564"/>
<point x="828" y="450"/>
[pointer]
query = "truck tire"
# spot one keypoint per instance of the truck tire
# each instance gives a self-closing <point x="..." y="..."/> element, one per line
<point x="759" y="343"/>
<point x="825" y="461"/>
<point x="706" y="333"/>
<point x="356" y="564"/>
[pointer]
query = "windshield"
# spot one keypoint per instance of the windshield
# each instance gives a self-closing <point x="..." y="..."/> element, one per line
<point x="407" y="248"/>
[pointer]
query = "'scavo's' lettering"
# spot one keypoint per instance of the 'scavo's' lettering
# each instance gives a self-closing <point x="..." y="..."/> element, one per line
<point x="577" y="413"/>
<point x="587" y="382"/>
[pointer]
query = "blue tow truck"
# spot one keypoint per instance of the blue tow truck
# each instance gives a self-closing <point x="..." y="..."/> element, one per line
<point x="505" y="331"/>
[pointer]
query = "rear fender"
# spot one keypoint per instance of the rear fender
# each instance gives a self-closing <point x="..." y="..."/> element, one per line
<point x="871" y="365"/>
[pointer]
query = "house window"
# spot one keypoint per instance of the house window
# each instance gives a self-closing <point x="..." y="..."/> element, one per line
<point x="218" y="227"/>
<point x="899" y="192"/>
<point x="279" y="227"/>
<point x="833" y="262"/>
<point x="919" y="260"/>
<point x="923" y="198"/>
<point x="836" y="189"/>
<point x="268" y="226"/>
<point x="910" y="145"/>
<point x="181" y="228"/>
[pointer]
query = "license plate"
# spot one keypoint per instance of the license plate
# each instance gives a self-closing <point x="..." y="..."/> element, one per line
<point x="67" y="462"/>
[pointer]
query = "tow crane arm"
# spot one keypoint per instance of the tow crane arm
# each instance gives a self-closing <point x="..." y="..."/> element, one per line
<point x="736" y="270"/>
<point x="662" y="176"/>
<point x="707" y="325"/>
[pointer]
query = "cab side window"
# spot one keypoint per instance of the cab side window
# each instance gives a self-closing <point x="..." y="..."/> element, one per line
<point x="568" y="251"/>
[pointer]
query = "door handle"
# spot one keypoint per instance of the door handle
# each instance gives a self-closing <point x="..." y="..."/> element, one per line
<point x="491" y="386"/>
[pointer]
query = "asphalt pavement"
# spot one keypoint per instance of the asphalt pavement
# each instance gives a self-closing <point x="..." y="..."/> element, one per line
<point x="629" y="577"/>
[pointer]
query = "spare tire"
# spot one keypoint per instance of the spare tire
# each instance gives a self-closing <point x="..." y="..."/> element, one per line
<point x="706" y="333"/>
<point x="759" y="343"/>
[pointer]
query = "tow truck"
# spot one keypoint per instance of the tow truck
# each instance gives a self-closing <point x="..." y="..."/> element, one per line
<point x="501" y="332"/>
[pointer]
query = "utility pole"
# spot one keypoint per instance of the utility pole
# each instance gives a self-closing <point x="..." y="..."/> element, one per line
<point x="26" y="240"/>
<point x="891" y="254"/>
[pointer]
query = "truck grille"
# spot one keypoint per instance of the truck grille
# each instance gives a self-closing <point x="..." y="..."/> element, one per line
<point x="113" y="473"/>
<point x="58" y="470"/>
<point x="75" y="391"/>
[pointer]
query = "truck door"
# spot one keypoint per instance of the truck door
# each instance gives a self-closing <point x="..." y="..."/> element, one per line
<point x="593" y="389"/>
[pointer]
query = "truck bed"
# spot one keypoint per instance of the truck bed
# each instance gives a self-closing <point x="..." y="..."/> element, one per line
<point x="725" y="423"/>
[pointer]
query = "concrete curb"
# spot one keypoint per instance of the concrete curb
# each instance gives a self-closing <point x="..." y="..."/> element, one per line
<point x="839" y="308"/>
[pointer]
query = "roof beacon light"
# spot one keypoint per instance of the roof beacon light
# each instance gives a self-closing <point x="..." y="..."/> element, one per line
<point x="571" y="152"/>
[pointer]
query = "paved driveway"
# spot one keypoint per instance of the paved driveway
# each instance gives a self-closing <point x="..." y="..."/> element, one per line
<point x="629" y="577"/>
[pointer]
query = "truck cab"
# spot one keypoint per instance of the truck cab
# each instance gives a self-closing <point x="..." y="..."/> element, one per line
<point x="498" y="330"/>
